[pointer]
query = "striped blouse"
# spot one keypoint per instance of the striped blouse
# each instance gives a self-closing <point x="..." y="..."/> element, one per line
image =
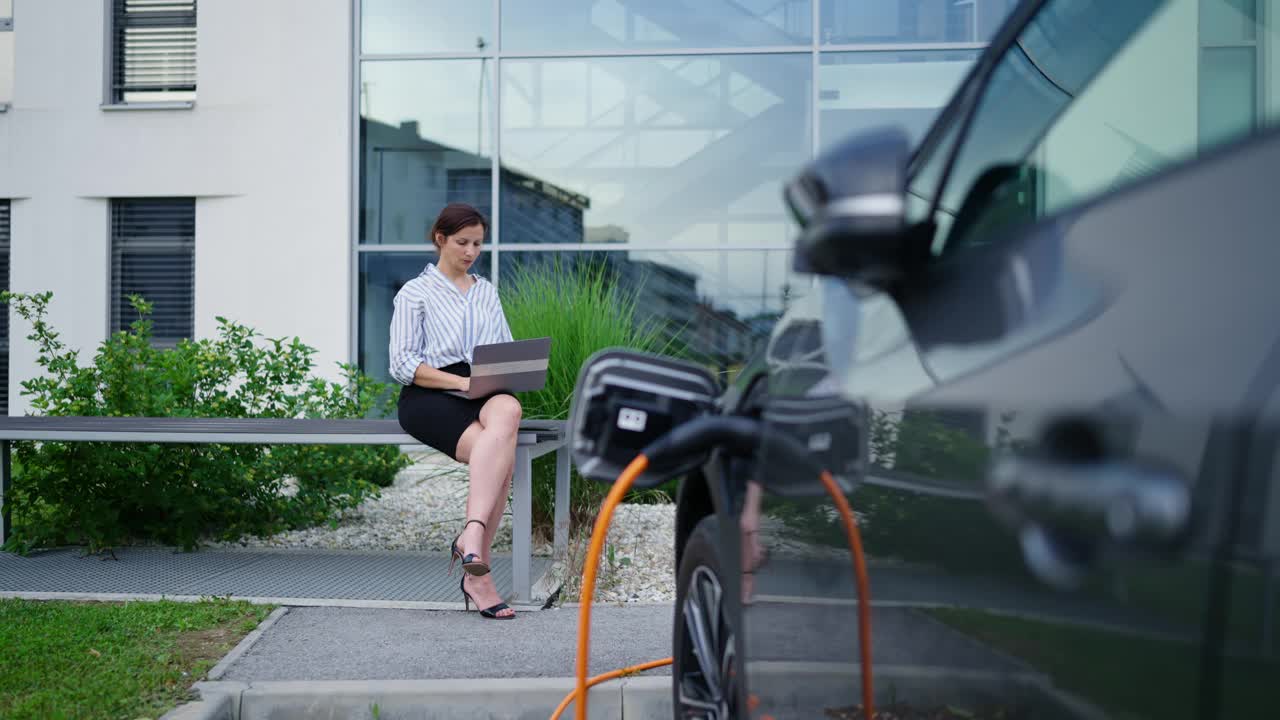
<point x="436" y="323"/>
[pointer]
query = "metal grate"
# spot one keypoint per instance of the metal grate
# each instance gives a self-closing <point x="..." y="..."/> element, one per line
<point x="154" y="43"/>
<point x="153" y="255"/>
<point x="4" y="310"/>
<point x="312" y="574"/>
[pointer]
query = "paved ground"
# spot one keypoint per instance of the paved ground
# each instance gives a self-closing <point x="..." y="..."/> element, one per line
<point x="321" y="643"/>
<point x="310" y="643"/>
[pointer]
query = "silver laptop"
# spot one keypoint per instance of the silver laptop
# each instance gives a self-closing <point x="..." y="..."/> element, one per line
<point x="518" y="366"/>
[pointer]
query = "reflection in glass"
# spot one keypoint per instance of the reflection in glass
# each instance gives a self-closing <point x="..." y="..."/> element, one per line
<point x="424" y="143"/>
<point x="1228" y="21"/>
<point x="679" y="150"/>
<point x="866" y="90"/>
<point x="867" y="22"/>
<point x="425" y="26"/>
<point x="714" y="307"/>
<point x="534" y="210"/>
<point x="555" y="25"/>
<point x="382" y="274"/>
<point x="1228" y="93"/>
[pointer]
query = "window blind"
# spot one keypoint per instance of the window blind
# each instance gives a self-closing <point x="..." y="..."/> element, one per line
<point x="153" y="255"/>
<point x="154" y="44"/>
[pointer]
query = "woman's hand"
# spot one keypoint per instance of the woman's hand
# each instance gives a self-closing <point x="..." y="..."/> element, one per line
<point x="432" y="379"/>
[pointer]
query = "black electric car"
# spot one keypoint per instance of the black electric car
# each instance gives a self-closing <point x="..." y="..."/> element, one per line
<point x="1040" y="362"/>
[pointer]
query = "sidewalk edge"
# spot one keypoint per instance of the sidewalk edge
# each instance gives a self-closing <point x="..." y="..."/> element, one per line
<point x="237" y="652"/>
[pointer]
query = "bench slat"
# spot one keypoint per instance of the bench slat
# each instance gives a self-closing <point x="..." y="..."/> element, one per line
<point x="233" y="430"/>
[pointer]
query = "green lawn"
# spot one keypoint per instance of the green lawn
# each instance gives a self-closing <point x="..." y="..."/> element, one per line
<point x="111" y="660"/>
<point x="1178" y="594"/>
<point x="1131" y="677"/>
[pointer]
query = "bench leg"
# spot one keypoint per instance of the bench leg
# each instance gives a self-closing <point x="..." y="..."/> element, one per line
<point x="561" y="546"/>
<point x="5" y="517"/>
<point x="522" y="525"/>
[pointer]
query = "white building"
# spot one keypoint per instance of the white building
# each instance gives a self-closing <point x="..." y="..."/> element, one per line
<point x="262" y="146"/>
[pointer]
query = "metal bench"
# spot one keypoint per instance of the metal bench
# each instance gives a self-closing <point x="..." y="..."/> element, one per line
<point x="536" y="438"/>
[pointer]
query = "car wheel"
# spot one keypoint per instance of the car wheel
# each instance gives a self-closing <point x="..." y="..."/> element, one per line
<point x="704" y="640"/>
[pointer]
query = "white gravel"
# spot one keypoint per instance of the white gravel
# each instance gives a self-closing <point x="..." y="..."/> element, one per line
<point x="638" y="562"/>
<point x="424" y="510"/>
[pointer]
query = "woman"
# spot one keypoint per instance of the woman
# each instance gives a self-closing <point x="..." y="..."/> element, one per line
<point x="440" y="317"/>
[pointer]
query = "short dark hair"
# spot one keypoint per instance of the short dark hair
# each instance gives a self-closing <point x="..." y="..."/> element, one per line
<point x="454" y="217"/>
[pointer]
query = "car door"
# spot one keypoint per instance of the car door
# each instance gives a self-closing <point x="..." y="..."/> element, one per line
<point x="1094" y="330"/>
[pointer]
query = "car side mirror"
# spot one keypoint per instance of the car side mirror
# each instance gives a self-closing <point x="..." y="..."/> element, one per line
<point x="851" y="205"/>
<point x="623" y="401"/>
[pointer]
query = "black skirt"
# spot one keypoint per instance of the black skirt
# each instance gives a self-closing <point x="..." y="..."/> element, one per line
<point x="436" y="418"/>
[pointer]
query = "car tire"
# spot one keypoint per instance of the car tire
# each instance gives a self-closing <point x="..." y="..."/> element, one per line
<point x="704" y="672"/>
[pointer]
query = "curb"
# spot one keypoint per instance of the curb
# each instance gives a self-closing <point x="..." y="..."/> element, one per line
<point x="218" y="701"/>
<point x="216" y="708"/>
<point x="792" y="689"/>
<point x="499" y="698"/>
<point x="245" y="643"/>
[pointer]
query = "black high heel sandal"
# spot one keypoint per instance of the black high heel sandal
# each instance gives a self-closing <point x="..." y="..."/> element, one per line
<point x="489" y="612"/>
<point x="471" y="563"/>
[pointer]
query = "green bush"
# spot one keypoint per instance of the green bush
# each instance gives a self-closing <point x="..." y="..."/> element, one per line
<point x="584" y="308"/>
<point x="104" y="494"/>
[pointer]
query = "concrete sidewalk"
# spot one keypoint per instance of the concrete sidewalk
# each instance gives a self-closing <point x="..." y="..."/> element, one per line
<point x="353" y="662"/>
<point x="335" y="643"/>
<point x="308" y="663"/>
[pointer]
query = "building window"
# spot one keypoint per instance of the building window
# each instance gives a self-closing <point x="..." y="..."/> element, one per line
<point x="153" y="48"/>
<point x="4" y="311"/>
<point x="153" y="255"/>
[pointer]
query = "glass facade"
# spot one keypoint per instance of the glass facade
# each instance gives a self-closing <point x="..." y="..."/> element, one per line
<point x="859" y="91"/>
<point x="923" y="22"/>
<point x="654" y="137"/>
<point x="674" y="150"/>
<point x="601" y="25"/>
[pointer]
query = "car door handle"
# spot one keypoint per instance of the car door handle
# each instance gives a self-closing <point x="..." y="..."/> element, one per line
<point x="1118" y="502"/>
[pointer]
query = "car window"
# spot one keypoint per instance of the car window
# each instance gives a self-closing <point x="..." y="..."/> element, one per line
<point x="1093" y="96"/>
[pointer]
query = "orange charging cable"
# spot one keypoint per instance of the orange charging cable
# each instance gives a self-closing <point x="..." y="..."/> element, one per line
<point x="864" y="588"/>
<point x="598" y="535"/>
<point x="601" y="531"/>
<point x="611" y="675"/>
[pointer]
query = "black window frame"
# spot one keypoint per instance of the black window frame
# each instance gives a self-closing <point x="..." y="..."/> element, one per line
<point x="958" y="112"/>
<point x="954" y="127"/>
<point x="152" y="253"/>
<point x="159" y="68"/>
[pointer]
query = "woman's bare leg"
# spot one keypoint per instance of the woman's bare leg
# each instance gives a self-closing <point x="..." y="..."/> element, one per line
<point x="495" y="518"/>
<point x="488" y="447"/>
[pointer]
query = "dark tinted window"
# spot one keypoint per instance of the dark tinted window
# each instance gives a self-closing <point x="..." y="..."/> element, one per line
<point x="153" y="255"/>
<point x="1093" y="96"/>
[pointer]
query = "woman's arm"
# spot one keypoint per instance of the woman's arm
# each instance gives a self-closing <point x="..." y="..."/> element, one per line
<point x="407" y="341"/>
<point x="433" y="379"/>
<point x="407" y="365"/>
<point x="500" y="319"/>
